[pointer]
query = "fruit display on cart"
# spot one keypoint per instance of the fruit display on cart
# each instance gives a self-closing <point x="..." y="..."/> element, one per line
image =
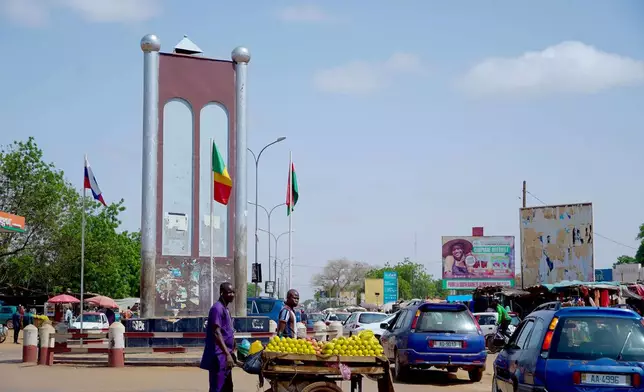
<point x="364" y="344"/>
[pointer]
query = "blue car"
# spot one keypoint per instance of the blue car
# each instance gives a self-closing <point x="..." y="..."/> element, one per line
<point x="438" y="335"/>
<point x="572" y="350"/>
<point x="267" y="307"/>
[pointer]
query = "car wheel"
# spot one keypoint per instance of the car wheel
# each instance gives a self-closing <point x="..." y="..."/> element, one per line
<point x="400" y="371"/>
<point x="476" y="375"/>
<point x="9" y="324"/>
<point x="452" y="369"/>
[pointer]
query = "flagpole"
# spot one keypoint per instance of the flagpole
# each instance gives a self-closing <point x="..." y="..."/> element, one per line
<point x="290" y="219"/>
<point x="82" y="277"/>
<point x="212" y="232"/>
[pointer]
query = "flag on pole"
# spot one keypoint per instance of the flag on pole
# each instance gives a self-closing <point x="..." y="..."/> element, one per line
<point x="291" y="191"/>
<point x="91" y="184"/>
<point x="223" y="185"/>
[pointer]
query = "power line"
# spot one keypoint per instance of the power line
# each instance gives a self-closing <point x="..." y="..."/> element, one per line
<point x="596" y="233"/>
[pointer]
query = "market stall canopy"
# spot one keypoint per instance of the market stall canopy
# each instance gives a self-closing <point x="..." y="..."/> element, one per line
<point x="63" y="299"/>
<point x="102" y="301"/>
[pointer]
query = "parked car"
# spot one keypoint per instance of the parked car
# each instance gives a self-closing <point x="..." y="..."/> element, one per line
<point x="267" y="307"/>
<point x="337" y="316"/>
<point x="91" y="320"/>
<point x="357" y="319"/>
<point x="376" y="328"/>
<point x="573" y="349"/>
<point x="439" y="335"/>
<point x="6" y="312"/>
<point x="489" y="321"/>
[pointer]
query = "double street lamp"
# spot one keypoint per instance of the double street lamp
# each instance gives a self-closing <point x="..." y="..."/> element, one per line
<point x="256" y="158"/>
<point x="276" y="239"/>
<point x="269" y="213"/>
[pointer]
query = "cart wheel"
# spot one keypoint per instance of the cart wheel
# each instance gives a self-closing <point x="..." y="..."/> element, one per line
<point x="322" y="386"/>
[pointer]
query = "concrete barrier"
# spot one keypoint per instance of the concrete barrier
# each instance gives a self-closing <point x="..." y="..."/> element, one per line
<point x="335" y="330"/>
<point x="320" y="330"/>
<point x="301" y="330"/>
<point x="30" y="344"/>
<point x="116" y="354"/>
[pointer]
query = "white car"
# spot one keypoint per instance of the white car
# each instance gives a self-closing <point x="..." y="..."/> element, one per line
<point x="489" y="320"/>
<point x="357" y="319"/>
<point x="375" y="327"/>
<point x="91" y="320"/>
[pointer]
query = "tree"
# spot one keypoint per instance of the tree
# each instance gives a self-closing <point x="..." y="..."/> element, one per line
<point x="623" y="259"/>
<point x="639" y="255"/>
<point x="250" y="289"/>
<point x="46" y="258"/>
<point x="413" y="280"/>
<point x="341" y="275"/>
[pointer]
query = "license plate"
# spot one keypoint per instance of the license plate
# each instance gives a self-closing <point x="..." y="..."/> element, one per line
<point x="447" y="344"/>
<point x="606" y="379"/>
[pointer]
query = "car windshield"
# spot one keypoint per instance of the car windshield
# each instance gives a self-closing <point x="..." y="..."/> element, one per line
<point x="370" y="318"/>
<point x="90" y="318"/>
<point x="445" y="321"/>
<point x="339" y="316"/>
<point x="316" y="317"/>
<point x="588" y="339"/>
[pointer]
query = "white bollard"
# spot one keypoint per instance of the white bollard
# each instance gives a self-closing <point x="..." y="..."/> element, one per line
<point x="116" y="355"/>
<point x="29" y="343"/>
<point x="272" y="327"/>
<point x="335" y="330"/>
<point x="319" y="330"/>
<point x="47" y="342"/>
<point x="301" y="330"/>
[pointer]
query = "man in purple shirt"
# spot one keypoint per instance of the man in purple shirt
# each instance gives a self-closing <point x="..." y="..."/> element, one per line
<point x="220" y="342"/>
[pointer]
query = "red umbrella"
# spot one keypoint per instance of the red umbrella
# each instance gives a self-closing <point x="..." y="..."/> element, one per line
<point x="102" y="301"/>
<point x="63" y="299"/>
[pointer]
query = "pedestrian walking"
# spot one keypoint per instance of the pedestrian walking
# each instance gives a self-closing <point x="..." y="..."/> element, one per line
<point x="15" y="319"/>
<point x="287" y="321"/>
<point x="220" y="342"/>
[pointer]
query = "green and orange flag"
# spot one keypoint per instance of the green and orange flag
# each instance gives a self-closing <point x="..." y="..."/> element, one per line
<point x="223" y="185"/>
<point x="292" y="191"/>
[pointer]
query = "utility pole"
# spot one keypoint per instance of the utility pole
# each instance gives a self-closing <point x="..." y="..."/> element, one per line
<point x="524" y="206"/>
<point x="524" y="193"/>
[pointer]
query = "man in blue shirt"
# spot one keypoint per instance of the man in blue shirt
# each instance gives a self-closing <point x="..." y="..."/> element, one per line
<point x="287" y="321"/>
<point x="15" y="319"/>
<point x="220" y="342"/>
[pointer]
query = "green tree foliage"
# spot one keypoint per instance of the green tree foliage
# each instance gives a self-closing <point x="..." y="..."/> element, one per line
<point x="250" y="290"/>
<point x="625" y="260"/>
<point x="639" y="256"/>
<point x="413" y="280"/>
<point x="46" y="258"/>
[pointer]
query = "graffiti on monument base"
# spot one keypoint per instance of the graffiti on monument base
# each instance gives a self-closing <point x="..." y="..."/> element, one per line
<point x="183" y="285"/>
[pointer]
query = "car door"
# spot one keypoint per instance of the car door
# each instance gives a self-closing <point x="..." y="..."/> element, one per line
<point x="506" y="365"/>
<point x="349" y="325"/>
<point x="530" y="354"/>
<point x="486" y="322"/>
<point x="388" y="339"/>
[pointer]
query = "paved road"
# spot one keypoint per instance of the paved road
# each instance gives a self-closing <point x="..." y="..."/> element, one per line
<point x="16" y="377"/>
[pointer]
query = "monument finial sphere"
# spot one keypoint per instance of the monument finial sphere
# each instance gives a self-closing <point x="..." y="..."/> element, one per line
<point x="150" y="43"/>
<point x="240" y="55"/>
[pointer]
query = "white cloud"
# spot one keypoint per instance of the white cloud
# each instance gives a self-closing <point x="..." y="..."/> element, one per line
<point x="304" y="13"/>
<point x="568" y="67"/>
<point x="362" y="78"/>
<point x="35" y="13"/>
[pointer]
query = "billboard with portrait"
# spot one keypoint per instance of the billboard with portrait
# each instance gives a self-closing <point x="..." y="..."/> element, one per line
<point x="557" y="244"/>
<point x="471" y="262"/>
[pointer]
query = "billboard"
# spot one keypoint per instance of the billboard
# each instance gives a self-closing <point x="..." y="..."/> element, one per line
<point x="604" y="275"/>
<point x="557" y="244"/>
<point x="390" y="286"/>
<point x="471" y="262"/>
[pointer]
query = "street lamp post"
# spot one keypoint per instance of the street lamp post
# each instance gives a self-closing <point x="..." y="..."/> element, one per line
<point x="256" y="157"/>
<point x="276" y="238"/>
<point x="268" y="214"/>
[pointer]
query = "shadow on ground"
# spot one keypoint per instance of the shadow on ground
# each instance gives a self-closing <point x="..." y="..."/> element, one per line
<point x="434" y="377"/>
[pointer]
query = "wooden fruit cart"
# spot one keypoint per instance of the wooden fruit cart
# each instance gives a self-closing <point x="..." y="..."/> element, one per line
<point x="312" y="373"/>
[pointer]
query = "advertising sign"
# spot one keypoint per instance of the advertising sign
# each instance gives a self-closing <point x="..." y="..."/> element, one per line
<point x="390" y="286"/>
<point x="471" y="262"/>
<point x="604" y="275"/>
<point x="557" y="244"/>
<point x="11" y="223"/>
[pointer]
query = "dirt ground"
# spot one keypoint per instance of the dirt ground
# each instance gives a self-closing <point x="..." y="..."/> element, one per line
<point x="16" y="377"/>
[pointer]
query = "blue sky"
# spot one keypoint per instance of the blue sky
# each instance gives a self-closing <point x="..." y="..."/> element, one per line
<point x="422" y="118"/>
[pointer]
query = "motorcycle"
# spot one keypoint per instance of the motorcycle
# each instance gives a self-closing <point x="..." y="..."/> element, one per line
<point x="4" y="331"/>
<point x="498" y="340"/>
